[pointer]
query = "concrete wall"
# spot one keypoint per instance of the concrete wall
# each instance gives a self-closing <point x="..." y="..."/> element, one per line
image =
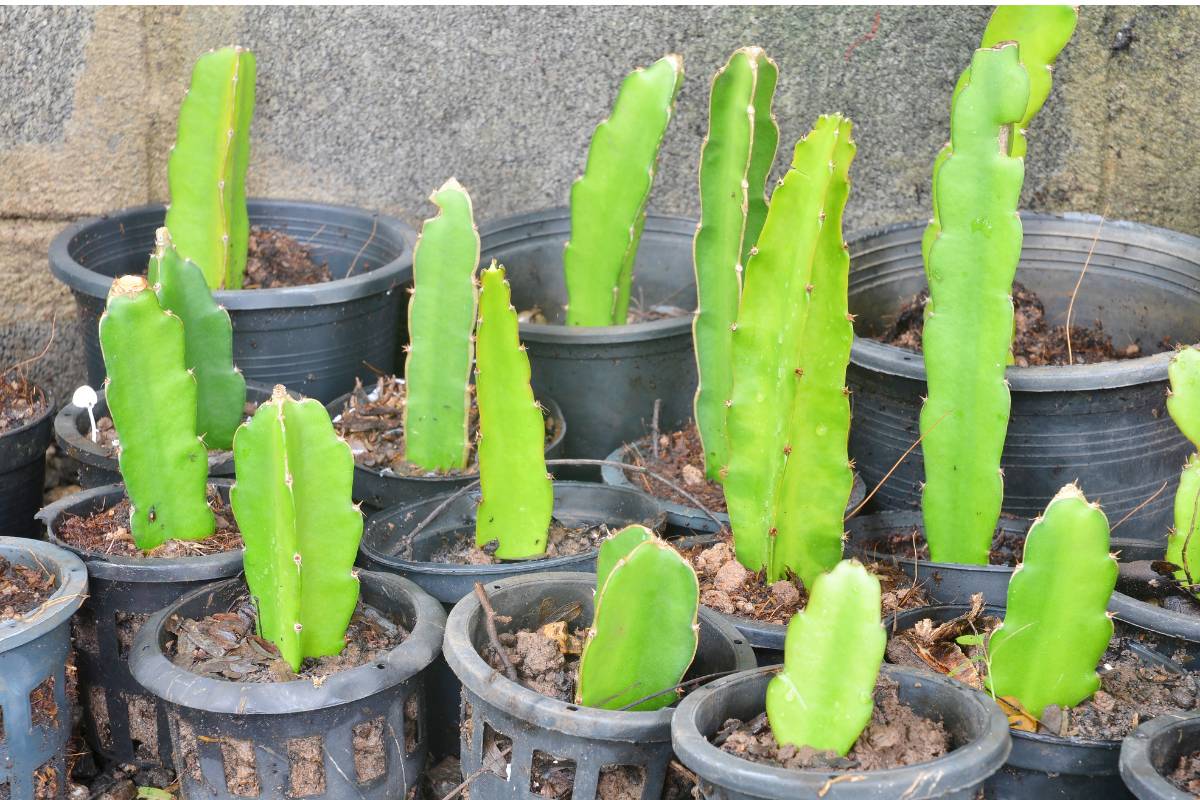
<point x="377" y="106"/>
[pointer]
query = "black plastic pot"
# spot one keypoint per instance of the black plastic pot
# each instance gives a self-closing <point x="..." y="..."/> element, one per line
<point x="33" y="652"/>
<point x="381" y="489"/>
<point x="977" y="727"/>
<point x="1041" y="765"/>
<point x="591" y="739"/>
<point x="23" y="473"/>
<point x="605" y="378"/>
<point x="211" y="719"/>
<point x="313" y="339"/>
<point x="98" y="467"/>
<point x="124" y="723"/>
<point x="1153" y="750"/>
<point x="1103" y="424"/>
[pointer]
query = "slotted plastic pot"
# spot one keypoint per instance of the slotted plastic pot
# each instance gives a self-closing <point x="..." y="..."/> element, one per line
<point x="23" y="472"/>
<point x="313" y="339"/>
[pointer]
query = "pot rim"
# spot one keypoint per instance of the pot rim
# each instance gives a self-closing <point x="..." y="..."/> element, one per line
<point x="1136" y="767"/>
<point x="385" y="277"/>
<point x="38" y="419"/>
<point x="66" y="599"/>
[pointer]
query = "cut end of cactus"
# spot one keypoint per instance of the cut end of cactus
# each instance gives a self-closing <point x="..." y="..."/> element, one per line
<point x="128" y="284"/>
<point x="279" y="393"/>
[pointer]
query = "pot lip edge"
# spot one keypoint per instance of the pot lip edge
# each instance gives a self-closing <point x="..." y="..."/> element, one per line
<point x="1135" y="765"/>
<point x="67" y="597"/>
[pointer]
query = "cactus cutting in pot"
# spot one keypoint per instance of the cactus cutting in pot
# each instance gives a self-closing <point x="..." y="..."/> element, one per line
<point x="1183" y="403"/>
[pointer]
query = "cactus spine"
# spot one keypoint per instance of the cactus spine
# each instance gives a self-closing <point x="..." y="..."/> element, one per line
<point x="208" y="342"/>
<point x="972" y="262"/>
<point x="1056" y="628"/>
<point x="644" y="631"/>
<point x="734" y="161"/>
<point x="206" y="171"/>
<point x="608" y="204"/>
<point x="441" y="321"/>
<point x="1183" y="403"/>
<point x="152" y="401"/>
<point x="301" y="529"/>
<point x="801" y="242"/>
<point x="517" y="493"/>
<point x="824" y="695"/>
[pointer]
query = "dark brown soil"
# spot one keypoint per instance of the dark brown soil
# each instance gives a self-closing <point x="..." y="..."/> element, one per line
<point x="108" y="533"/>
<point x="1037" y="344"/>
<point x="730" y="588"/>
<point x="276" y="259"/>
<point x="895" y="737"/>
<point x="546" y="659"/>
<point x="22" y="589"/>
<point x="20" y="401"/>
<point x="225" y="646"/>
<point x="373" y="424"/>
<point x="106" y="434"/>
<point x="1006" y="551"/>
<point x="1186" y="775"/>
<point x="680" y="459"/>
<point x="562" y="541"/>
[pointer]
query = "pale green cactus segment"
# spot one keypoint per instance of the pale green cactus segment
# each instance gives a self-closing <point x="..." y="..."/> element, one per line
<point x="1183" y="403"/>
<point x="734" y="162"/>
<point x="301" y="528"/>
<point x="208" y="341"/>
<point x="824" y="695"/>
<point x="152" y="401"/>
<point x="518" y="496"/>
<point x="644" y="631"/>
<point x="817" y="476"/>
<point x="608" y="204"/>
<point x="206" y="171"/>
<point x="770" y="323"/>
<point x="617" y="547"/>
<point x="968" y="332"/>
<point x="441" y="326"/>
<point x="1056" y="627"/>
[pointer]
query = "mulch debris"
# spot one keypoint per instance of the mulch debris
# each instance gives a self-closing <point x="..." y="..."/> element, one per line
<point x="23" y="589"/>
<point x="107" y="532"/>
<point x="275" y="259"/>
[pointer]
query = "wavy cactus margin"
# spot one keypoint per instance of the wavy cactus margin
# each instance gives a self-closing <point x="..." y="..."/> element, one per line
<point x="824" y="695"/>
<point x="608" y="203"/>
<point x="645" y="631"/>
<point x="734" y="162"/>
<point x="801" y="242"/>
<point x="301" y="528"/>
<point x="1056" y="628"/>
<point x="208" y="342"/>
<point x="206" y="171"/>
<point x="441" y="326"/>
<point x="1183" y="404"/>
<point x="152" y="401"/>
<point x="518" y="496"/>
<point x="968" y="333"/>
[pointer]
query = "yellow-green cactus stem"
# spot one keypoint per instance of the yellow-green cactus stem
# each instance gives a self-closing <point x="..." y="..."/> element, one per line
<point x="1183" y="403"/>
<point x="617" y="547"/>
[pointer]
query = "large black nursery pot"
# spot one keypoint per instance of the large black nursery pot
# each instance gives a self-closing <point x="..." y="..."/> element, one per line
<point x="98" y="466"/>
<point x="606" y="379"/>
<point x="313" y="339"/>
<point x="1103" y="424"/>
<point x="1153" y="750"/>
<point x="23" y="472"/>
<point x="383" y="488"/>
<point x="1041" y="765"/>
<point x="33" y="657"/>
<point x="214" y="721"/>
<point x="123" y="722"/>
<point x="977" y="727"/>
<point x="589" y="742"/>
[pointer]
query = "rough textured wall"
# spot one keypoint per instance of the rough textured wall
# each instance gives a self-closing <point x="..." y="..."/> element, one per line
<point x="377" y="106"/>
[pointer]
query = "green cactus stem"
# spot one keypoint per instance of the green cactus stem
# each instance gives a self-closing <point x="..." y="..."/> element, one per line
<point x="441" y="323"/>
<point x="301" y="529"/>
<point x="206" y="171"/>
<point x="1183" y="403"/>
<point x="1056" y="627"/>
<point x="608" y="204"/>
<point x="967" y="336"/>
<point x="824" y="695"/>
<point x="803" y="227"/>
<point x="152" y="401"/>
<point x="617" y="547"/>
<point x="518" y="496"/>
<point x="644" y="631"/>
<point x="208" y="340"/>
<point x="734" y="161"/>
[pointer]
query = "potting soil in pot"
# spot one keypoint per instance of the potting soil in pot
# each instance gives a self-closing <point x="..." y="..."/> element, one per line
<point x="1186" y="775"/>
<point x="373" y="425"/>
<point x="22" y="589"/>
<point x="1007" y="546"/>
<point x="20" y="401"/>
<point x="1037" y="344"/>
<point x="678" y="457"/>
<point x="106" y="434"/>
<point x="275" y="259"/>
<point x="895" y="737"/>
<point x="562" y="540"/>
